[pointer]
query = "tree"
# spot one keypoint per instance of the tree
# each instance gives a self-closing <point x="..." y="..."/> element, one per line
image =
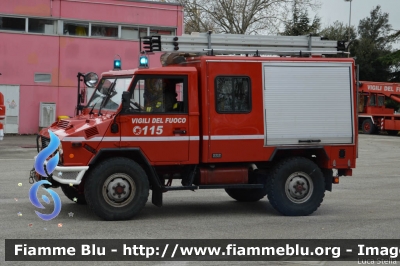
<point x="373" y="45"/>
<point x="300" y="23"/>
<point x="394" y="59"/>
<point x="338" y="31"/>
<point x="238" y="16"/>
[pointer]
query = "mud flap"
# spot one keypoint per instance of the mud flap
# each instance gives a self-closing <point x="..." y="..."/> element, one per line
<point x="157" y="196"/>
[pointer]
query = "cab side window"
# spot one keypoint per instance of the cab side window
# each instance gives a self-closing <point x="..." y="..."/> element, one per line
<point x="159" y="95"/>
<point x="372" y="100"/>
<point x="233" y="94"/>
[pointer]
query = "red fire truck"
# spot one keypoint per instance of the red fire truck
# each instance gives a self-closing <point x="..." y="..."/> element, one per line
<point x="373" y="114"/>
<point x="251" y="124"/>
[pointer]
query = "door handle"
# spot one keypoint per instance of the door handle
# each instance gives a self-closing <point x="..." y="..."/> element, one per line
<point x="309" y="140"/>
<point x="179" y="131"/>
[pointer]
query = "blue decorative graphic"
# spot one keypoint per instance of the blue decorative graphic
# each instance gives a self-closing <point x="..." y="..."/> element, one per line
<point x="50" y="166"/>
<point x="35" y="201"/>
<point x="45" y="153"/>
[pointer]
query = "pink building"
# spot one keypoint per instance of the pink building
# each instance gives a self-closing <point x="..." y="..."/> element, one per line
<point x="45" y="43"/>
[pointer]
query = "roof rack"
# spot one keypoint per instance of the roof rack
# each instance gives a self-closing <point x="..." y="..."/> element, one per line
<point x="214" y="44"/>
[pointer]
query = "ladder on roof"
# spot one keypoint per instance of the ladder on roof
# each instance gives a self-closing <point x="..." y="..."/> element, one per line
<point x="213" y="44"/>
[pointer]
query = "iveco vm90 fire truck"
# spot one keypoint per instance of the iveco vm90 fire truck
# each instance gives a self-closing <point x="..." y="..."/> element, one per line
<point x="254" y="115"/>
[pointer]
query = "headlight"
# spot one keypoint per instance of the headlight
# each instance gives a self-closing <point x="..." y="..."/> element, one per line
<point x="91" y="79"/>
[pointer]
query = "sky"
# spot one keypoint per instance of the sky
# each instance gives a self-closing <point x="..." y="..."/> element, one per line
<point x="332" y="10"/>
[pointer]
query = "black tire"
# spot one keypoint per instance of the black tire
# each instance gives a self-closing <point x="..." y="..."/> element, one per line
<point x="368" y="127"/>
<point x="246" y="195"/>
<point x="392" y="132"/>
<point x="73" y="194"/>
<point x="117" y="189"/>
<point x="252" y="194"/>
<point x="288" y="178"/>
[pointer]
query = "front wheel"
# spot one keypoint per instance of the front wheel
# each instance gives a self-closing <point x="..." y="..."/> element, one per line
<point x="73" y="194"/>
<point x="117" y="189"/>
<point x="296" y="187"/>
<point x="368" y="127"/>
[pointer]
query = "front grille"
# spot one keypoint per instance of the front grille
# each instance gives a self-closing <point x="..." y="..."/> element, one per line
<point x="65" y="175"/>
<point x="63" y="124"/>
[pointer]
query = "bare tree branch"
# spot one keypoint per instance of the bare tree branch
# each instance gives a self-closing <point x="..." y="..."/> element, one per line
<point x="239" y="16"/>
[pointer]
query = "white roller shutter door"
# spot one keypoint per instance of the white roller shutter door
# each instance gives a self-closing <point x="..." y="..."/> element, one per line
<point x="308" y="103"/>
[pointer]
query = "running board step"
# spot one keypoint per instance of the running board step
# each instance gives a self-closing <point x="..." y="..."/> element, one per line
<point x="248" y="186"/>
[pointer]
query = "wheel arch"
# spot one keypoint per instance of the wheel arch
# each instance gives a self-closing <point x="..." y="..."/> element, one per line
<point x="315" y="153"/>
<point x="138" y="156"/>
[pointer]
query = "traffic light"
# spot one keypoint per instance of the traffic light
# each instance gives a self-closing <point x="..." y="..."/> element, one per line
<point x="143" y="61"/>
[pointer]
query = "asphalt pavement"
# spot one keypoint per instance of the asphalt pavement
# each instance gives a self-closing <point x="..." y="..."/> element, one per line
<point x="363" y="206"/>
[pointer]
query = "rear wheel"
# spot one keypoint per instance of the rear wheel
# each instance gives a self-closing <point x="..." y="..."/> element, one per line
<point x="117" y="189"/>
<point x="368" y="127"/>
<point x="296" y="187"/>
<point x="392" y="132"/>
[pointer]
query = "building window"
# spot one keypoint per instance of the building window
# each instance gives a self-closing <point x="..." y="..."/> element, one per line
<point x="154" y="31"/>
<point x="129" y="33"/>
<point x="104" y="31"/>
<point x="42" y="26"/>
<point x="232" y="94"/>
<point x="45" y="78"/>
<point x="15" y="24"/>
<point x="76" y="28"/>
<point x="143" y="32"/>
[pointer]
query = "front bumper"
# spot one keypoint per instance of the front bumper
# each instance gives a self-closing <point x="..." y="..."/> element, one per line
<point x="65" y="174"/>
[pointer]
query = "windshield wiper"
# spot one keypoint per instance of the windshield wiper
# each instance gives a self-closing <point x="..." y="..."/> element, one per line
<point x="91" y="111"/>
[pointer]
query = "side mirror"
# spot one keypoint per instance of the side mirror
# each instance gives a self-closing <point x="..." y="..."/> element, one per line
<point x="126" y="98"/>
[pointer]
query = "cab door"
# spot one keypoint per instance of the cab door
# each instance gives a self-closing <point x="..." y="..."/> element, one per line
<point x="158" y="121"/>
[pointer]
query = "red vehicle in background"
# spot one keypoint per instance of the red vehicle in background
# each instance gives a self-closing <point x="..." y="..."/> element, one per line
<point x="374" y="116"/>
<point x="251" y="125"/>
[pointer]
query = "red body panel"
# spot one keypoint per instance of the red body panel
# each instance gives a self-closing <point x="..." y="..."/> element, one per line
<point x="230" y="127"/>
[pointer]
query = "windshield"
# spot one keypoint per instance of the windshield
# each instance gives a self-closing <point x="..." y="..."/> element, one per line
<point x="109" y="93"/>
